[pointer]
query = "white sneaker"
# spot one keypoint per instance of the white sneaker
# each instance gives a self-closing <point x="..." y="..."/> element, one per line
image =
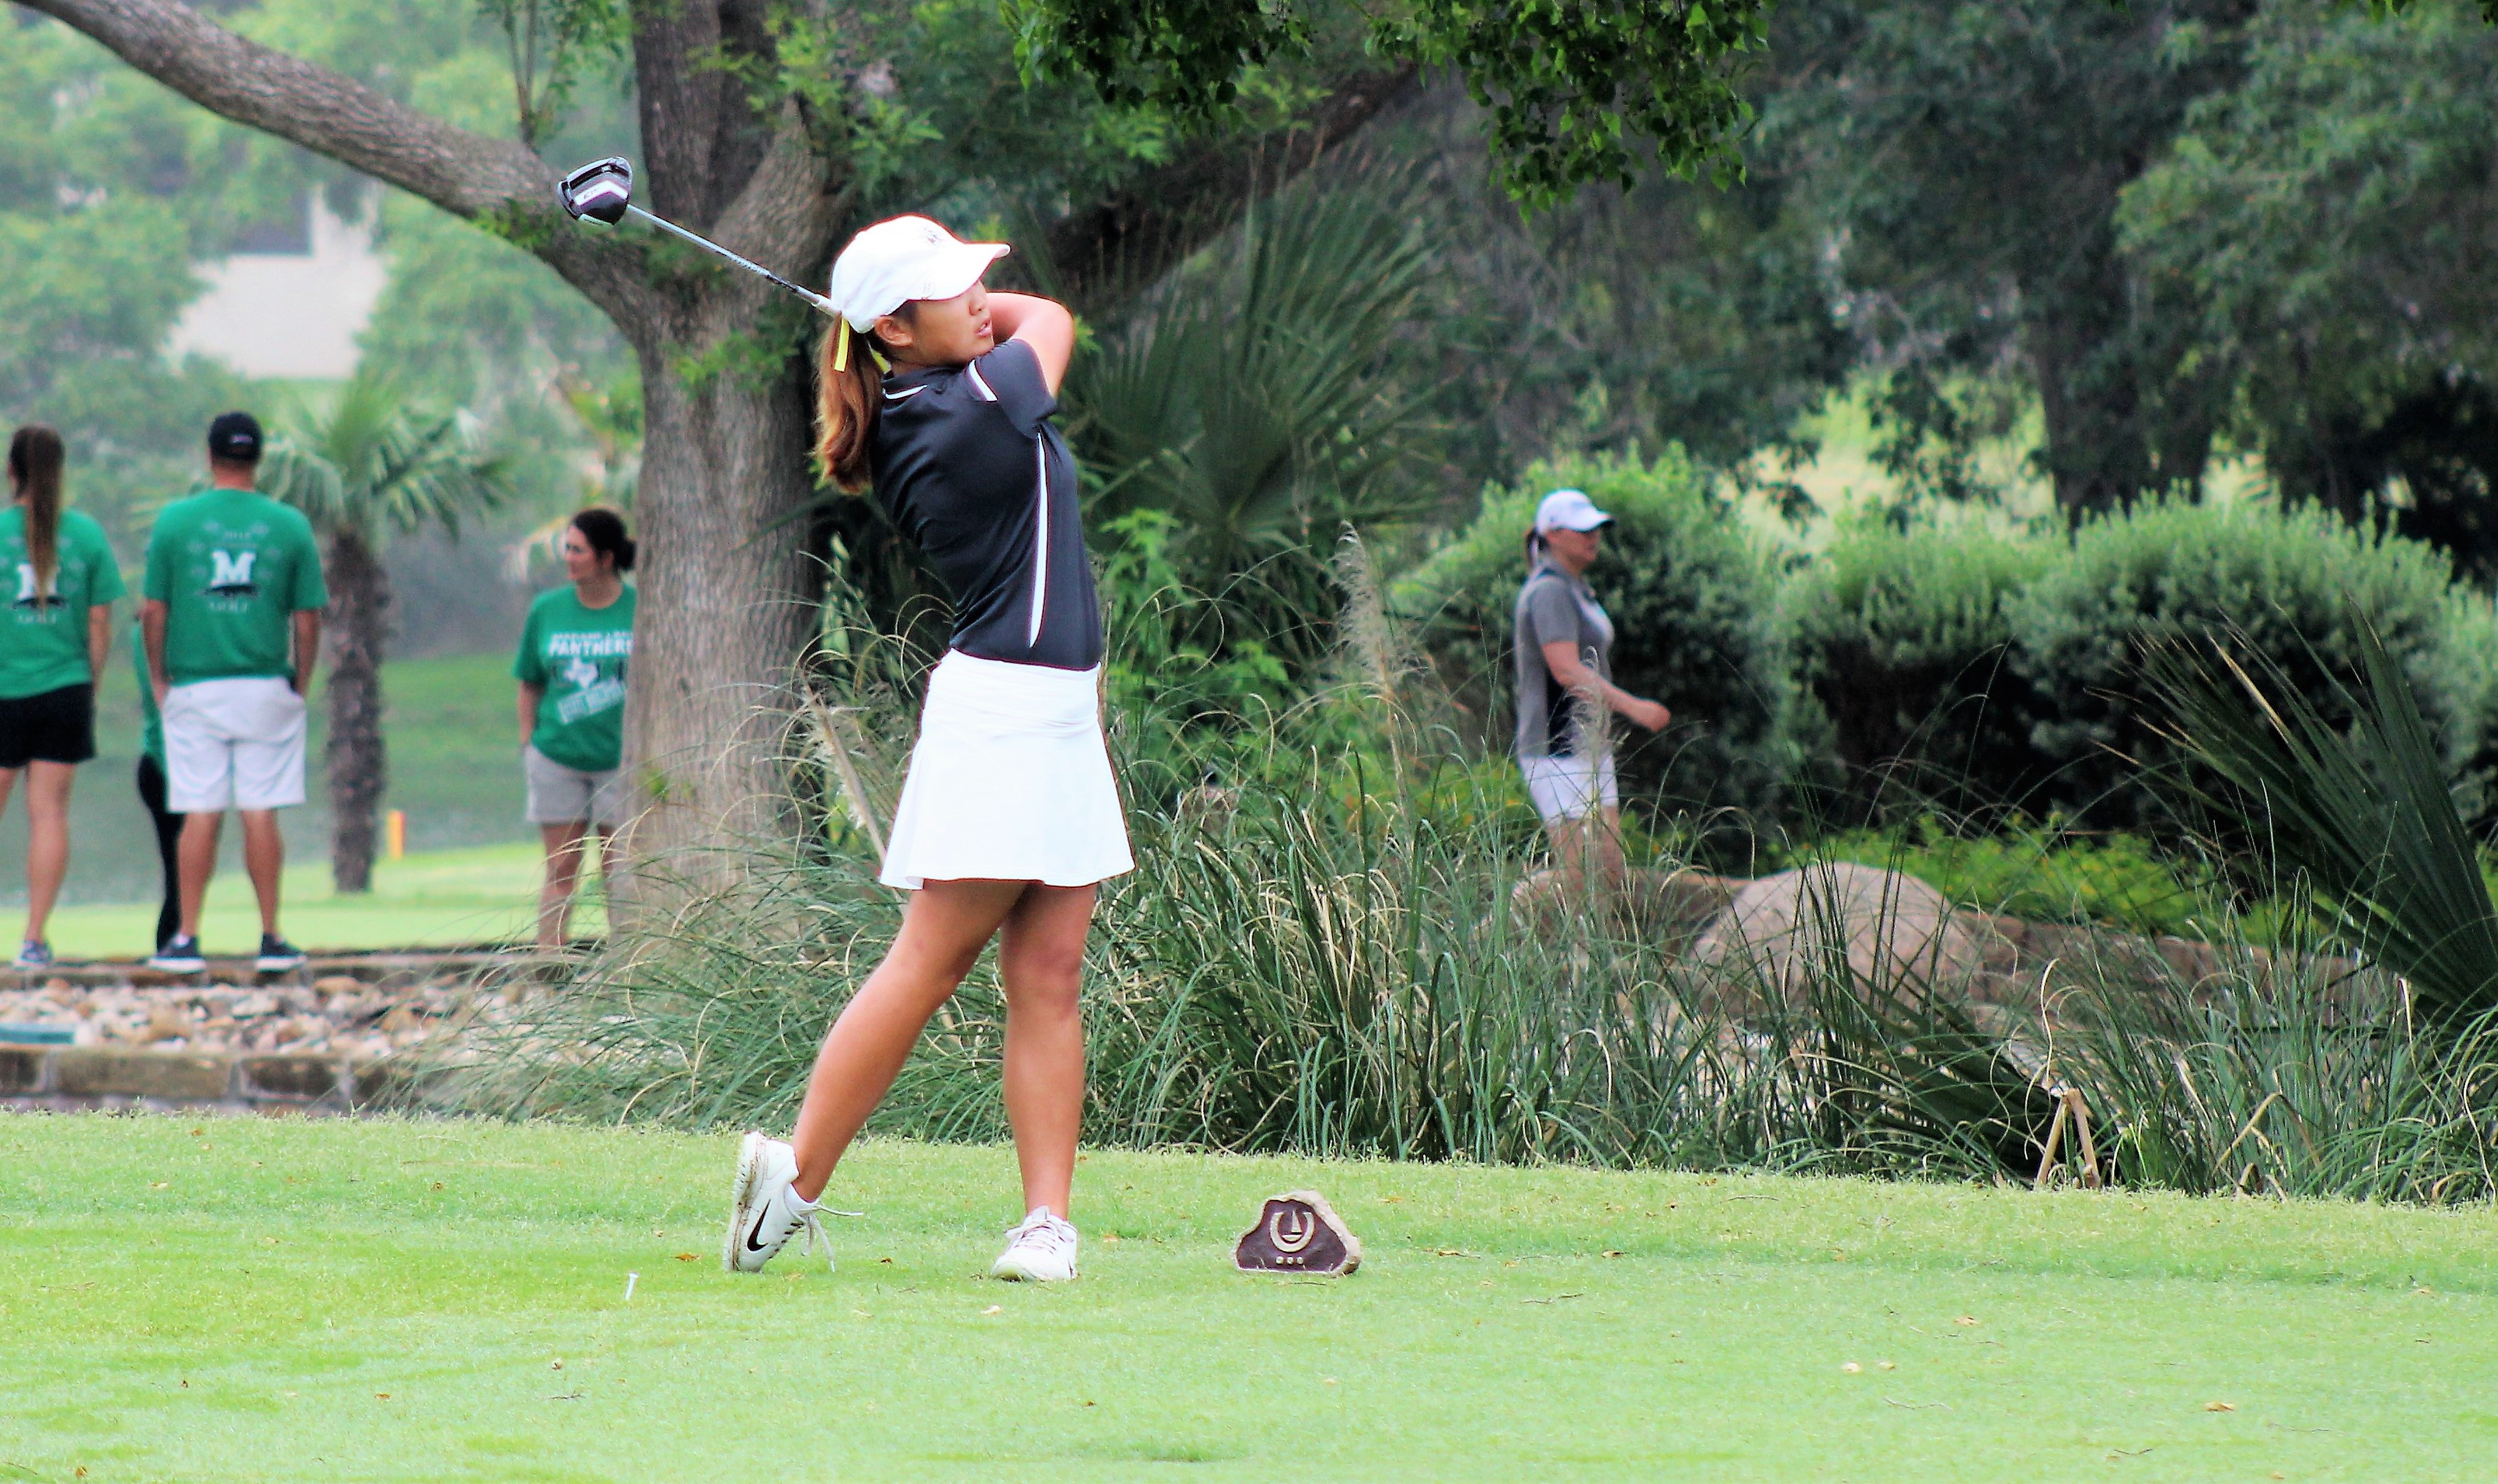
<point x="765" y="1209"/>
<point x="1040" y="1250"/>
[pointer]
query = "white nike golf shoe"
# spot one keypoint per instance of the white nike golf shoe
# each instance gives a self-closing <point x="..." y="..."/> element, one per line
<point x="765" y="1210"/>
<point x="1041" y="1250"/>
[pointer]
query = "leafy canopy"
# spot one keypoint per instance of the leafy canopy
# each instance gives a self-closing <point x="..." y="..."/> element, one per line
<point x="1579" y="90"/>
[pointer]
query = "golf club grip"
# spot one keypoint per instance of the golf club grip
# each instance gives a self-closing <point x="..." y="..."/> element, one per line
<point x="820" y="303"/>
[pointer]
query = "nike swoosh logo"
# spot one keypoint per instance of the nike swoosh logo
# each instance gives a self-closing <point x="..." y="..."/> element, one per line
<point x="756" y="1230"/>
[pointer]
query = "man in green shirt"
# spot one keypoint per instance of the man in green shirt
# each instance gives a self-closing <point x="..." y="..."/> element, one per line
<point x="61" y="580"/>
<point x="230" y="612"/>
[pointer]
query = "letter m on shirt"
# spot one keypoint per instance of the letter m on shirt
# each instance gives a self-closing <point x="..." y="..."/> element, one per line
<point x="231" y="571"/>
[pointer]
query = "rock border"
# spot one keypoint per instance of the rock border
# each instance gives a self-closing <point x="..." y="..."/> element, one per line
<point x="76" y="1079"/>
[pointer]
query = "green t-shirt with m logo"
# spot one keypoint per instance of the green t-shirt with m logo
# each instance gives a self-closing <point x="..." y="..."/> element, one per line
<point x="232" y="568"/>
<point x="42" y="634"/>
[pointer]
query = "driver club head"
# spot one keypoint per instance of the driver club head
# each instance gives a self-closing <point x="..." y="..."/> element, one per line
<point x="599" y="190"/>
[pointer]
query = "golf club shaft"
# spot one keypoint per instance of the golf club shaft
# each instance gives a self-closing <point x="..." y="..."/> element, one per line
<point x="821" y="304"/>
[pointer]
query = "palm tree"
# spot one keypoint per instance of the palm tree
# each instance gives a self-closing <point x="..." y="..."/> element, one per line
<point x="367" y="465"/>
<point x="1255" y="399"/>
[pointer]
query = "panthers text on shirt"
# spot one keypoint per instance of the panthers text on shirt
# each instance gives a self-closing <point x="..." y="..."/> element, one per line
<point x="593" y="643"/>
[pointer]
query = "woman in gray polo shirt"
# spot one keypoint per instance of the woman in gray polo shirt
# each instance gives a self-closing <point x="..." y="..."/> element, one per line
<point x="1565" y="667"/>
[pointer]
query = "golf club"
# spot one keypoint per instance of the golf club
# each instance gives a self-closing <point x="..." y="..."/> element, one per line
<point x="603" y="191"/>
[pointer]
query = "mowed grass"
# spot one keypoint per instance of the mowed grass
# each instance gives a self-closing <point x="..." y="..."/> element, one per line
<point x="236" y="1300"/>
<point x="438" y="899"/>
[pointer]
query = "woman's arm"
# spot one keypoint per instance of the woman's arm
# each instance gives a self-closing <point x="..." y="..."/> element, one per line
<point x="530" y="696"/>
<point x="99" y="639"/>
<point x="1561" y="657"/>
<point x="1043" y="323"/>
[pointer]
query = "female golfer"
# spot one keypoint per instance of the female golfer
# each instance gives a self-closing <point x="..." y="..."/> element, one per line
<point x="1564" y="657"/>
<point x="1008" y="816"/>
<point x="572" y="673"/>
<point x="61" y="579"/>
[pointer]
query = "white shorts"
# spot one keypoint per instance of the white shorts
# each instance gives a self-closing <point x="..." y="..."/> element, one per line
<point x="1011" y="782"/>
<point x="233" y="744"/>
<point x="1567" y="788"/>
<point x="569" y="796"/>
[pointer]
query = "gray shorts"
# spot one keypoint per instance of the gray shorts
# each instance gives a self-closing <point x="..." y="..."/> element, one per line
<point x="567" y="796"/>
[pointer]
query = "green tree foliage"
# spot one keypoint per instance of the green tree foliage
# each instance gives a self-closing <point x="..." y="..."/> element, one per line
<point x="99" y="227"/>
<point x="1664" y="312"/>
<point x="2329" y="222"/>
<point x="1969" y="157"/>
<point x="1577" y="91"/>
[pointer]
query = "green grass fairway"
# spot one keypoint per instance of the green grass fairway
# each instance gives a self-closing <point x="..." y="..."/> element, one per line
<point x="484" y="894"/>
<point x="282" y="1300"/>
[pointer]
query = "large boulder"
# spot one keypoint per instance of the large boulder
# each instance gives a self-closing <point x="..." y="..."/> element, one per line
<point x="1896" y="931"/>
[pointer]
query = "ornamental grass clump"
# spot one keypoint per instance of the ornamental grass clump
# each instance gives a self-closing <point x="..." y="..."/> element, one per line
<point x="1325" y="950"/>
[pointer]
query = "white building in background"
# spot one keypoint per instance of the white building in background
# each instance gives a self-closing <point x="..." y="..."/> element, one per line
<point x="289" y="314"/>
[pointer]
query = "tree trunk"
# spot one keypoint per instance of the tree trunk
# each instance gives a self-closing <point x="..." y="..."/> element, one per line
<point x="355" y="756"/>
<point x="728" y="602"/>
<point x="727" y="588"/>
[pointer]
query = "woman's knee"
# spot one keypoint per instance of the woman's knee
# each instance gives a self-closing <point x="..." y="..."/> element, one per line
<point x="1043" y="977"/>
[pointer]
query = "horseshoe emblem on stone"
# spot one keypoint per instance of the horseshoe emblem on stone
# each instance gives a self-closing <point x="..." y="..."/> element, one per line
<point x="1305" y="1226"/>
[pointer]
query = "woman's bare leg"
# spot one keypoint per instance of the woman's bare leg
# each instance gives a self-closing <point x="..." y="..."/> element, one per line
<point x="47" y="840"/>
<point x="1041" y="960"/>
<point x="944" y="929"/>
<point x="563" y="875"/>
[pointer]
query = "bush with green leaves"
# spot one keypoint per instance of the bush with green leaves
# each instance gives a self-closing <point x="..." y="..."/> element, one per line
<point x="1903" y="649"/>
<point x="1969" y="671"/>
<point x="1692" y="599"/>
<point x="2298" y="586"/>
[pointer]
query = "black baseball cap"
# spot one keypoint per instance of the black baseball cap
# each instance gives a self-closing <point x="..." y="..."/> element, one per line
<point x="234" y="436"/>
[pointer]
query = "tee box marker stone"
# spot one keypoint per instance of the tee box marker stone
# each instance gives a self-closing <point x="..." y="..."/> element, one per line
<point x="1298" y="1232"/>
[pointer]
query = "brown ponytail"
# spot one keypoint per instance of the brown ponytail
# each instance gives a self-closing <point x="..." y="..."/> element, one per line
<point x="35" y="459"/>
<point x="850" y="388"/>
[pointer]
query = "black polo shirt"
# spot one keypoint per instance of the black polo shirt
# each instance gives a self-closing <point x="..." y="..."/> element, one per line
<point x="972" y="470"/>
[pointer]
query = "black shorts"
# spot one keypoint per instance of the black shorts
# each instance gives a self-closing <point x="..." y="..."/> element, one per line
<point x="57" y="726"/>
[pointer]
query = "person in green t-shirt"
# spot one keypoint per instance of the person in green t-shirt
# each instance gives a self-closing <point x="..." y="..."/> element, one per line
<point x="232" y="615"/>
<point x="55" y="632"/>
<point x="571" y="672"/>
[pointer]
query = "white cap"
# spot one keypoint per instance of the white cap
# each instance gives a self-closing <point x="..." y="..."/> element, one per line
<point x="895" y="262"/>
<point x="1569" y="510"/>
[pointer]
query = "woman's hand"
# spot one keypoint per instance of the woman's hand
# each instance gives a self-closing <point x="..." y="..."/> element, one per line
<point x="1645" y="713"/>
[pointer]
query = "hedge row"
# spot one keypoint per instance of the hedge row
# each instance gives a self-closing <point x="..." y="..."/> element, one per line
<point x="1896" y="672"/>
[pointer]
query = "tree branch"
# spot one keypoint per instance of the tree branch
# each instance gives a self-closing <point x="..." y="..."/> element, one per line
<point x="465" y="174"/>
<point x="783" y="216"/>
<point x="1103" y="252"/>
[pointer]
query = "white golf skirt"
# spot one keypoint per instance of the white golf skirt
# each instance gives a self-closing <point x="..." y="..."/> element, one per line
<point x="1009" y="781"/>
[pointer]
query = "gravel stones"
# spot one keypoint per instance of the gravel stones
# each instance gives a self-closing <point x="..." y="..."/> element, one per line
<point x="337" y="1016"/>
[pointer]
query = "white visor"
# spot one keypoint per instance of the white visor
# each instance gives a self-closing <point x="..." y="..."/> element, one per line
<point x="907" y="258"/>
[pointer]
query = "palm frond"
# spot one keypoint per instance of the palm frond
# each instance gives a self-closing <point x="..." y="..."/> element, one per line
<point x="1248" y="399"/>
<point x="2366" y="814"/>
<point x="371" y="460"/>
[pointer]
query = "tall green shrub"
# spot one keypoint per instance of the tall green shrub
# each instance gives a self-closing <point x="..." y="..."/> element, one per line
<point x="2295" y="585"/>
<point x="1693" y="604"/>
<point x="1973" y="671"/>
<point x="1903" y="648"/>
